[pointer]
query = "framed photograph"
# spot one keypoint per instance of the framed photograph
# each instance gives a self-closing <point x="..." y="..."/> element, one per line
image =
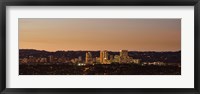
<point x="95" y="46"/>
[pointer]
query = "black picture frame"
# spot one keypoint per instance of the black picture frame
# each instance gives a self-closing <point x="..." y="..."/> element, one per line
<point x="4" y="3"/>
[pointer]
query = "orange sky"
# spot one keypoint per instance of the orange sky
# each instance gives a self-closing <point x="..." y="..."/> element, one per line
<point x="53" y="34"/>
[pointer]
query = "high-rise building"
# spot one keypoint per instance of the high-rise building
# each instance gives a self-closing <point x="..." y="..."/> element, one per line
<point x="124" y="56"/>
<point x="123" y="53"/>
<point x="104" y="57"/>
<point x="101" y="57"/>
<point x="88" y="58"/>
<point x="111" y="57"/>
<point x="116" y="58"/>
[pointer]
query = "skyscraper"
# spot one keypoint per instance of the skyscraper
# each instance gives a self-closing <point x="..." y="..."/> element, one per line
<point x="123" y="53"/>
<point x="88" y="58"/>
<point x="104" y="57"/>
<point x="124" y="56"/>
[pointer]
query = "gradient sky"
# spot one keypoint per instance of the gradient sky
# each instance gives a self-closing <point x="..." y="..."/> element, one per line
<point x="53" y="34"/>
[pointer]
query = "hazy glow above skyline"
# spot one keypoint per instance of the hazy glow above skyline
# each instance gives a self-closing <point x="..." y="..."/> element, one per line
<point x="53" y="34"/>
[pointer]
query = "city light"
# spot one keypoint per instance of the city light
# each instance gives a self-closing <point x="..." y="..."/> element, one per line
<point x="103" y="62"/>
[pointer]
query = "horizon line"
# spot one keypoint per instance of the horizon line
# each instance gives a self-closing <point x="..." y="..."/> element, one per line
<point x="102" y="50"/>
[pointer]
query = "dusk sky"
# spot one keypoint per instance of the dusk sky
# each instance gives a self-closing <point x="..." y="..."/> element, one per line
<point x="115" y="34"/>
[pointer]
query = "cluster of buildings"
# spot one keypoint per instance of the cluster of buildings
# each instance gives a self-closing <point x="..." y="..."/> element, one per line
<point x="104" y="58"/>
<point x="49" y="59"/>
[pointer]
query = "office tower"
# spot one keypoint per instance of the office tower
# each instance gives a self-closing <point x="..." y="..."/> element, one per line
<point x="124" y="56"/>
<point x="101" y="57"/>
<point x="116" y="58"/>
<point x="123" y="53"/>
<point x="111" y="57"/>
<point x="104" y="57"/>
<point x="88" y="58"/>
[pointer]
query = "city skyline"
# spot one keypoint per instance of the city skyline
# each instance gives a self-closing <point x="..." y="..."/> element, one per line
<point x="124" y="62"/>
<point x="53" y="34"/>
<point x="100" y="57"/>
